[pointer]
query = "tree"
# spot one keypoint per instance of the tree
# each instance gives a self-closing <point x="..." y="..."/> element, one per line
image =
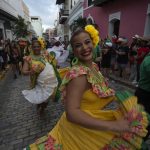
<point x="20" y="28"/>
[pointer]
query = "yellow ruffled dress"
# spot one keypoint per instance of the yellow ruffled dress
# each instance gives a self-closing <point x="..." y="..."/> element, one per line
<point x="69" y="136"/>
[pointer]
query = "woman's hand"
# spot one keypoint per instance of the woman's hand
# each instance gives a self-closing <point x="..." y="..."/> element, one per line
<point x="121" y="125"/>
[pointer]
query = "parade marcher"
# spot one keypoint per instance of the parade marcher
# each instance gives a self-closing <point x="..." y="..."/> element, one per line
<point x="61" y="53"/>
<point x="22" y="43"/>
<point x="14" y="58"/>
<point x="27" y="49"/>
<point x="113" y="53"/>
<point x="2" y="65"/>
<point x="132" y="60"/>
<point x="86" y="124"/>
<point x="43" y="78"/>
<point x="7" y="48"/>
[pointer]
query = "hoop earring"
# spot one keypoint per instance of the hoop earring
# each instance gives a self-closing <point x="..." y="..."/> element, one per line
<point x="74" y="61"/>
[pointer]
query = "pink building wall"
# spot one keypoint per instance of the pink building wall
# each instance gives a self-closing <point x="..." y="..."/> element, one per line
<point x="132" y="20"/>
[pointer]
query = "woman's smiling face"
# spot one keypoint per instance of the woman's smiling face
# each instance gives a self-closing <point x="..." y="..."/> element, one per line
<point x="83" y="47"/>
<point x="36" y="48"/>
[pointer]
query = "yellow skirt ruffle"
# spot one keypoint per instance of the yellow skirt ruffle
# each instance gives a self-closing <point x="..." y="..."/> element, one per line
<point x="69" y="136"/>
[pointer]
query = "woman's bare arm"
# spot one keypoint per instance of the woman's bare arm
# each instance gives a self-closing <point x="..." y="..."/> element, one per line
<point x="25" y="69"/>
<point x="74" y="93"/>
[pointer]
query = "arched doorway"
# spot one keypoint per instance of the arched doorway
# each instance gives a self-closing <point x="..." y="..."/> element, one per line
<point x="114" y="23"/>
<point x="114" y="27"/>
<point x="90" y="20"/>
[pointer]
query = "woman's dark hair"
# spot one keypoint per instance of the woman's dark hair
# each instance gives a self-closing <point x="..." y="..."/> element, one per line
<point x="75" y="33"/>
<point x="36" y="41"/>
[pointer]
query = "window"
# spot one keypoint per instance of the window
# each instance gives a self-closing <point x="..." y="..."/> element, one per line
<point x="90" y="20"/>
<point x="90" y="2"/>
<point x="114" y="23"/>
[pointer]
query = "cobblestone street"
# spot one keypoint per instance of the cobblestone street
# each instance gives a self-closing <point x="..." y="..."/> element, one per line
<point x="19" y="123"/>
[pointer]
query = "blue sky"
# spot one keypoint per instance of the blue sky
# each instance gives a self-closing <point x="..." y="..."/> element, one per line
<point x="46" y="9"/>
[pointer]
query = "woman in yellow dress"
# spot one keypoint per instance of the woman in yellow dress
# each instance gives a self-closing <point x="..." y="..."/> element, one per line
<point x="88" y="122"/>
<point x="44" y="81"/>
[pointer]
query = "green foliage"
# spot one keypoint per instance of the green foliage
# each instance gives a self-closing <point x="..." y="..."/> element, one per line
<point x="80" y="22"/>
<point x="20" y="28"/>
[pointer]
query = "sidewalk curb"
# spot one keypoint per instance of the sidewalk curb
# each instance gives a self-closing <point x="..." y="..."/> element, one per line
<point x="126" y="83"/>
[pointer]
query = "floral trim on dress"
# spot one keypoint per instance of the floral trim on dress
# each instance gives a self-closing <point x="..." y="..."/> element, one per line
<point x="45" y="143"/>
<point x="128" y="140"/>
<point x="99" y="84"/>
<point x="118" y="144"/>
<point x="138" y="122"/>
<point x="38" y="65"/>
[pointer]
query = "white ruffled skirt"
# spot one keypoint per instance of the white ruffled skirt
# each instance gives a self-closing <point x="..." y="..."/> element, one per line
<point x="46" y="84"/>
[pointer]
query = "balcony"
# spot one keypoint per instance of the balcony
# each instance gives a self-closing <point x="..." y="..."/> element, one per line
<point x="100" y="3"/>
<point x="58" y="2"/>
<point x="63" y="15"/>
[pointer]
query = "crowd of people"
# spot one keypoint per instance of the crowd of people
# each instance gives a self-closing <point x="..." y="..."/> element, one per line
<point x="122" y="59"/>
<point x="12" y="52"/>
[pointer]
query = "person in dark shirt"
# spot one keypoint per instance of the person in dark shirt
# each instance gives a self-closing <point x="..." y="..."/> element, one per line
<point x="122" y="55"/>
<point x="142" y="51"/>
<point x="143" y="89"/>
<point x="106" y="58"/>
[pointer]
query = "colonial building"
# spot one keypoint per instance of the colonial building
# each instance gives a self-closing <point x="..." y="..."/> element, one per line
<point x="62" y="25"/>
<point x="7" y="15"/>
<point x="36" y="22"/>
<point x="70" y="10"/>
<point x="49" y="32"/>
<point x="9" y="11"/>
<point x="76" y="11"/>
<point x="26" y="13"/>
<point x="122" y="18"/>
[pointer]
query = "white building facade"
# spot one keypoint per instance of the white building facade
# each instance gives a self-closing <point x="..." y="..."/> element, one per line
<point x="36" y="23"/>
<point x="75" y="11"/>
<point x="9" y="11"/>
<point x="62" y="26"/>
